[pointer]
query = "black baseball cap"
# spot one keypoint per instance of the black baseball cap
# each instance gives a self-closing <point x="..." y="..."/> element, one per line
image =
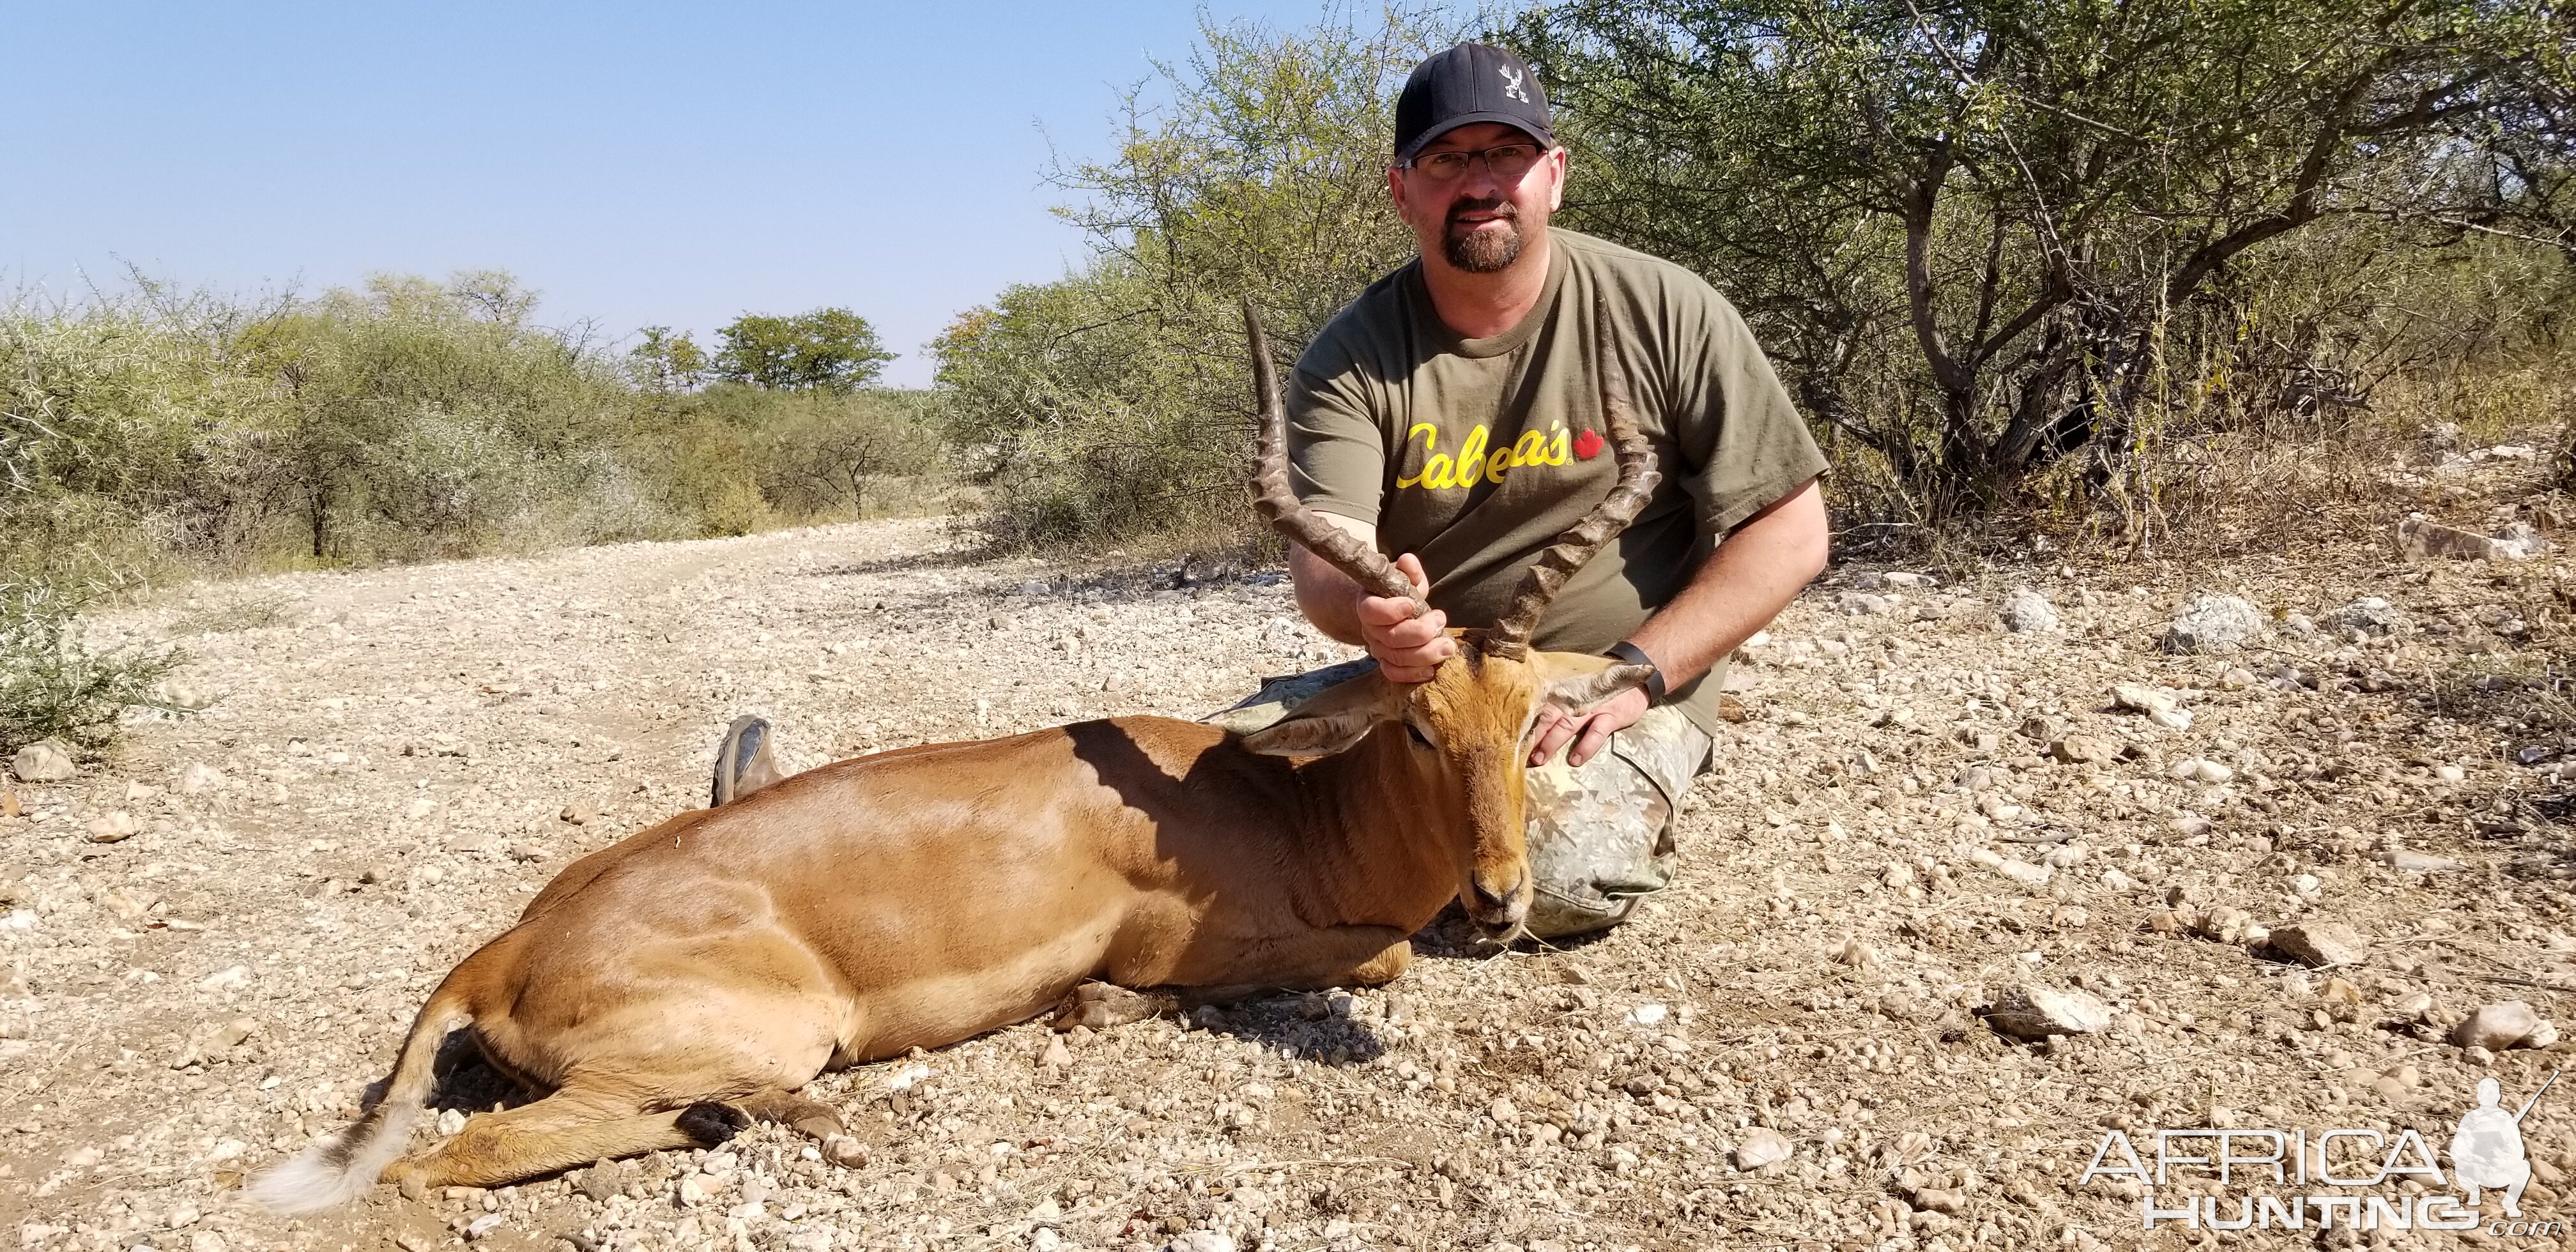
<point x="1470" y="83"/>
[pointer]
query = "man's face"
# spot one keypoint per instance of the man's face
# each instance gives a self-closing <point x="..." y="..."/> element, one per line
<point x="1477" y="221"/>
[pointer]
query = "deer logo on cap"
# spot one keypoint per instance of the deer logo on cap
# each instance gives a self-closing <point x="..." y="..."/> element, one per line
<point x="1512" y="84"/>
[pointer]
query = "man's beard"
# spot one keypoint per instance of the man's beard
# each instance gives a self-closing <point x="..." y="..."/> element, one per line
<point x="1483" y="251"/>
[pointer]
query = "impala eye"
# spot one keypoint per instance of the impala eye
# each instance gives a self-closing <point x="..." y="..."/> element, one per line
<point x="1418" y="736"/>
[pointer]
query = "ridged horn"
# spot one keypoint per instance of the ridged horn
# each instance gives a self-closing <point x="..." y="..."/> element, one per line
<point x="1509" y="637"/>
<point x="1278" y="504"/>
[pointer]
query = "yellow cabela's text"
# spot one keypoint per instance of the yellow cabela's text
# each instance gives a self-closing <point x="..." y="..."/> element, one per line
<point x="1552" y="446"/>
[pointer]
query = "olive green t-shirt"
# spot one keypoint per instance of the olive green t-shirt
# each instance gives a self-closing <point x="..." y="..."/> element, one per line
<point x="1475" y="454"/>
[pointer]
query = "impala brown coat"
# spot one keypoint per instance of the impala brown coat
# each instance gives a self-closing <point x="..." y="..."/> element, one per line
<point x="712" y="965"/>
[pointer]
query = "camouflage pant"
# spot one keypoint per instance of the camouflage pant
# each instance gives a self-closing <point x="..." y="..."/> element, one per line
<point x="1599" y="836"/>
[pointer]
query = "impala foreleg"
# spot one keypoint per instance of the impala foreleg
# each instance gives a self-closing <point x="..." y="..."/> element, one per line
<point x="1344" y="956"/>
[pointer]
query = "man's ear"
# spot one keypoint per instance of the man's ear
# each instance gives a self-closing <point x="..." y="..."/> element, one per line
<point x="1578" y="683"/>
<point x="1334" y="721"/>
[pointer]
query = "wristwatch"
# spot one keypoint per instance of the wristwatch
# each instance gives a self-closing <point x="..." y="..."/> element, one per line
<point x="1634" y="655"/>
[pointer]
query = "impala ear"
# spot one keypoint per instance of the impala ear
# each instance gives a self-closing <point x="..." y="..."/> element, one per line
<point x="1578" y="692"/>
<point x="1334" y="721"/>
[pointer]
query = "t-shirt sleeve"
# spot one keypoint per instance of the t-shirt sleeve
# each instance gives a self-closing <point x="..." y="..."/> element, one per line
<point x="1336" y="450"/>
<point x="1743" y="444"/>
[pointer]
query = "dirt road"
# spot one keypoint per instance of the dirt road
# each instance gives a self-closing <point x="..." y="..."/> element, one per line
<point x="1922" y="813"/>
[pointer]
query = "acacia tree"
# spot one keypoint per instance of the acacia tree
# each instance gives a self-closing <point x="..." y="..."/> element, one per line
<point x="1963" y="224"/>
<point x="1113" y="402"/>
<point x="822" y="350"/>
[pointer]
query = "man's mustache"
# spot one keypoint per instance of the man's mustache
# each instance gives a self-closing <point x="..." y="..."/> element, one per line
<point x="1495" y="205"/>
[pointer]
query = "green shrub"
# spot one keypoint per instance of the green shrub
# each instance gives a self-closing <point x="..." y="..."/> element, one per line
<point x="1116" y="402"/>
<point x="54" y="685"/>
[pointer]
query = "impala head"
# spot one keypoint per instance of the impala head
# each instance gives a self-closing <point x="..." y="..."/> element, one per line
<point x="1467" y="729"/>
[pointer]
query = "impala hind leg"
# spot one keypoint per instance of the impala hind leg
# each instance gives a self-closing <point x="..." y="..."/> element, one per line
<point x="569" y="1128"/>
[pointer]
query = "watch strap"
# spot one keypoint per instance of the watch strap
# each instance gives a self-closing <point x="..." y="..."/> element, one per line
<point x="1634" y="655"/>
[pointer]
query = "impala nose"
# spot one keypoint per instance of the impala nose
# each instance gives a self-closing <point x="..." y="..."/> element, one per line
<point x="1498" y="911"/>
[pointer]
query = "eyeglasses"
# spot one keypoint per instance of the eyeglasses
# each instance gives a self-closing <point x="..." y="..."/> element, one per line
<point x="1508" y="162"/>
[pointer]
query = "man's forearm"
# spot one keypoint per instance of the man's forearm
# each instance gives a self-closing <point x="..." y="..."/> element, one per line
<point x="1327" y="596"/>
<point x="1745" y="583"/>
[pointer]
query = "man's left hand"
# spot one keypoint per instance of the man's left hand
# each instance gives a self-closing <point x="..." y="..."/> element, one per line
<point x="1589" y="733"/>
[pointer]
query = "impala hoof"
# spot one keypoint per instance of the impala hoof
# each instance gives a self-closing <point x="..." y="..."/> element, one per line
<point x="712" y="1124"/>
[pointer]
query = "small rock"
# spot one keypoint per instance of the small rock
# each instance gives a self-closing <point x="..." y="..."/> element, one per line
<point x="2321" y="944"/>
<point x="483" y="1225"/>
<point x="2026" y="610"/>
<point x="2033" y="1012"/>
<point x="1504" y="1112"/>
<point x="1057" y="1056"/>
<point x="2231" y="925"/>
<point x="1761" y="1146"/>
<point x="2161" y="707"/>
<point x="2414" y="862"/>
<point x="2213" y="624"/>
<point x="2195" y="770"/>
<point x="451" y="1122"/>
<point x="128" y="904"/>
<point x="232" y="979"/>
<point x="198" y="778"/>
<point x="1201" y="1241"/>
<point x="2369" y="615"/>
<point x="469" y="841"/>
<point x="2505" y="1024"/>
<point x="2450" y="773"/>
<point x="2022" y="872"/>
<point x="845" y="1151"/>
<point x="1936" y="1200"/>
<point x="578" y="814"/>
<point x="116" y="827"/>
<point x="43" y="761"/>
<point x="1863" y="604"/>
<point x="2420" y="538"/>
<point x="1857" y="953"/>
<point x="525" y="850"/>
<point x="2083" y="750"/>
<point x="601" y="1181"/>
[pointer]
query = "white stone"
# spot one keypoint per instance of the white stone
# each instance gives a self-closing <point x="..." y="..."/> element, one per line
<point x="43" y="761"/>
<point x="2026" y="610"/>
<point x="2213" y="624"/>
<point x="2035" y="1012"/>
<point x="232" y="979"/>
<point x="2504" y="1024"/>
<point x="1761" y="1146"/>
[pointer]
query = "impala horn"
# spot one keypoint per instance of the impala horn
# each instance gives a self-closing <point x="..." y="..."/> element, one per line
<point x="1509" y="637"/>
<point x="1278" y="504"/>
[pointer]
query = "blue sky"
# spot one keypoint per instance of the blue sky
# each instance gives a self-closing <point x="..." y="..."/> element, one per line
<point x="638" y="164"/>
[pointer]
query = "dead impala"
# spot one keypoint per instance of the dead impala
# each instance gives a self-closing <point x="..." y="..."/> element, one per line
<point x="707" y="968"/>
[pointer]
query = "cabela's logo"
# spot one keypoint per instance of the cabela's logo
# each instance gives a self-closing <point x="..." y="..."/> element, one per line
<point x="2486" y="1153"/>
<point x="1554" y="446"/>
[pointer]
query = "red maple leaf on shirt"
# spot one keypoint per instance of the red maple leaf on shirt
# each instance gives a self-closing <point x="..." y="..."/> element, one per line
<point x="1587" y="445"/>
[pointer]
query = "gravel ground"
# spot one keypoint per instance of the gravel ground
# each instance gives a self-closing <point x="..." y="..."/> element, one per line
<point x="1922" y="815"/>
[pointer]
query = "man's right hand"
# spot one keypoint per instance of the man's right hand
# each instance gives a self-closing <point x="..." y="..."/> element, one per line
<point x="1407" y="648"/>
